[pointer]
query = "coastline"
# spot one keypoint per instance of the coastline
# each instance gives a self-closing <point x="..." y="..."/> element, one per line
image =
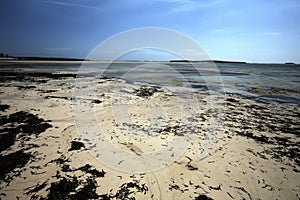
<point x="256" y="156"/>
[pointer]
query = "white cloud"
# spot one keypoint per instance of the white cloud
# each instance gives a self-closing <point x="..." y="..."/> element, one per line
<point x="189" y="5"/>
<point x="61" y="3"/>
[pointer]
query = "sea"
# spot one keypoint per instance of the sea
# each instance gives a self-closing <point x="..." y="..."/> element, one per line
<point x="261" y="82"/>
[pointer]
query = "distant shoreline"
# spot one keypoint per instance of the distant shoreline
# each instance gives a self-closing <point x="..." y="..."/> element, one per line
<point x="58" y="60"/>
<point x="31" y="58"/>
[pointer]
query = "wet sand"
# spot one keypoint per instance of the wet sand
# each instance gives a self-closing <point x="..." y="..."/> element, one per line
<point x="256" y="155"/>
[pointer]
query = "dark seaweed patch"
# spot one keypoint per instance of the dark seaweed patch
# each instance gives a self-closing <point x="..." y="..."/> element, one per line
<point x="26" y="87"/>
<point x="203" y="197"/>
<point x="36" y="188"/>
<point x="96" y="101"/>
<point x="22" y="117"/>
<point x="126" y="189"/>
<point x="274" y="126"/>
<point x="20" y="123"/>
<point x="17" y="126"/>
<point x="7" y="138"/>
<point x="62" y="188"/>
<point x="75" y="145"/>
<point x="261" y="138"/>
<point x="87" y="192"/>
<point x="65" y="188"/>
<point x="145" y="91"/>
<point x="232" y="100"/>
<point x="11" y="161"/>
<point x="47" y="91"/>
<point x="4" y="107"/>
<point x="21" y="76"/>
<point x="94" y="172"/>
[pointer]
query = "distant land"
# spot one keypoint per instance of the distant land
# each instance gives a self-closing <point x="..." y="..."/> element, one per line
<point x="215" y="61"/>
<point x="289" y="63"/>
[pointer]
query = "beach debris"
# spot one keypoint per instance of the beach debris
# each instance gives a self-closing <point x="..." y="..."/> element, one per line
<point x="189" y="166"/>
<point x="215" y="187"/>
<point x="174" y="187"/>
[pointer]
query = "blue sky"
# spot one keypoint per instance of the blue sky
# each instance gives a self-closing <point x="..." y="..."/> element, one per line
<point x="248" y="30"/>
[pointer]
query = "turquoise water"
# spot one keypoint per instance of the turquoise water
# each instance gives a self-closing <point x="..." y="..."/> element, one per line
<point x="232" y="77"/>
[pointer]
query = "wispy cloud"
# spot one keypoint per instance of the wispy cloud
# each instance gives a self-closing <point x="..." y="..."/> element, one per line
<point x="62" y="3"/>
<point x="227" y="31"/>
<point x="272" y="33"/>
<point x="219" y="31"/>
<point x="58" y="49"/>
<point x="189" y="5"/>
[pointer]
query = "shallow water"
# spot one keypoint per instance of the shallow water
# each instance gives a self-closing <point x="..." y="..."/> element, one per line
<point x="229" y="77"/>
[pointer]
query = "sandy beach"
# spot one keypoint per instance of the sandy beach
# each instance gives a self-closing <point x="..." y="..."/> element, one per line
<point x="48" y="153"/>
